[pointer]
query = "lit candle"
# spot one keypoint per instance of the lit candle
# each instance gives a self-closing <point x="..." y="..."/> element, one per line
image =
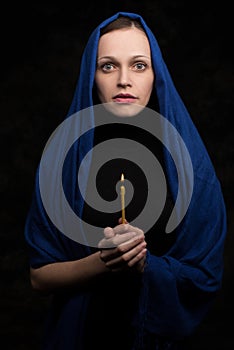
<point x="122" y="193"/>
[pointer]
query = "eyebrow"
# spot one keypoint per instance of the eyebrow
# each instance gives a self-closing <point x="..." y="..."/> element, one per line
<point x="114" y="58"/>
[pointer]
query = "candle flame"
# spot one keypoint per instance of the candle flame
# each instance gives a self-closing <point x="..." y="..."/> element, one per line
<point x="122" y="178"/>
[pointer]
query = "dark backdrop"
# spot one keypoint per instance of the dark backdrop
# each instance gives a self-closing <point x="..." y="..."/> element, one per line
<point x="41" y="46"/>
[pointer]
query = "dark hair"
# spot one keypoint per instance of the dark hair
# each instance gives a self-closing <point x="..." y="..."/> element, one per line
<point x="120" y="23"/>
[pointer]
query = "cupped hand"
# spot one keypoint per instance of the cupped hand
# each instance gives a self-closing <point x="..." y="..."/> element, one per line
<point x="123" y="247"/>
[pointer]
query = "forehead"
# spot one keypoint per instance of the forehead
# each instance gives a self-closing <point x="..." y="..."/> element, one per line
<point x="131" y="40"/>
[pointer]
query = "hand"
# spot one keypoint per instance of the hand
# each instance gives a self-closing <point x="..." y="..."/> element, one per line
<point x="123" y="247"/>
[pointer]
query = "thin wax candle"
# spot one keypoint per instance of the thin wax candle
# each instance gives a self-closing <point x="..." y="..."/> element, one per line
<point x="122" y="193"/>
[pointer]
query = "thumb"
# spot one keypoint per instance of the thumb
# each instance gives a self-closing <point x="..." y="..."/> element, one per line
<point x="108" y="232"/>
<point x="120" y="221"/>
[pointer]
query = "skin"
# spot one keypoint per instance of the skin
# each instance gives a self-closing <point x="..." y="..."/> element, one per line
<point x="128" y="255"/>
<point x="130" y="248"/>
<point x="123" y="67"/>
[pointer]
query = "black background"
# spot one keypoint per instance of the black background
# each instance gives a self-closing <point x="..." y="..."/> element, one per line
<point x="41" y="46"/>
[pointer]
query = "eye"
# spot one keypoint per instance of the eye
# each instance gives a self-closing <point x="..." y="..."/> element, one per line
<point x="107" y="67"/>
<point x="139" y="66"/>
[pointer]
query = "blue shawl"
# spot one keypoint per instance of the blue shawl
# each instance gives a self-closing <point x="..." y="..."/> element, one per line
<point x="177" y="287"/>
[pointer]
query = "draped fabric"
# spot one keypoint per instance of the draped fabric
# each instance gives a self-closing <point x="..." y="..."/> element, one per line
<point x="177" y="288"/>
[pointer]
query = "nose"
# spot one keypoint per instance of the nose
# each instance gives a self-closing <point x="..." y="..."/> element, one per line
<point x="124" y="79"/>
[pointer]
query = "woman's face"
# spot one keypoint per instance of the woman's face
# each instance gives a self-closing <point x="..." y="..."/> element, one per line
<point x="124" y="75"/>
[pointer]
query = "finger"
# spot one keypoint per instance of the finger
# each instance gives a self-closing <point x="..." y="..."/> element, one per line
<point x="120" y="221"/>
<point x="108" y="254"/>
<point x="140" y="256"/>
<point x="131" y="243"/>
<point x="112" y="253"/>
<point x="123" y="228"/>
<point x="126" y="257"/>
<point x="108" y="232"/>
<point x="132" y="253"/>
<point x="116" y="240"/>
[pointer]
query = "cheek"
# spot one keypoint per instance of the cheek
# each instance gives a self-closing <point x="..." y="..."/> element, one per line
<point x="102" y="89"/>
<point x="147" y="89"/>
<point x="151" y="82"/>
<point x="146" y="83"/>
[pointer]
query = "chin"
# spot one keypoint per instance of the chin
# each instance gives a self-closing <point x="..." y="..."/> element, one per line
<point x="123" y="109"/>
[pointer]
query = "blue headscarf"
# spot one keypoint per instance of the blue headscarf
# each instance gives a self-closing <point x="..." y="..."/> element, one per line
<point x="177" y="287"/>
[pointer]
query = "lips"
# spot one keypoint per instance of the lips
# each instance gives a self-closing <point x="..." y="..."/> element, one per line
<point x="124" y="98"/>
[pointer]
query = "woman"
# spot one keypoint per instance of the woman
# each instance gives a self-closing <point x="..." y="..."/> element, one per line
<point x="135" y="287"/>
